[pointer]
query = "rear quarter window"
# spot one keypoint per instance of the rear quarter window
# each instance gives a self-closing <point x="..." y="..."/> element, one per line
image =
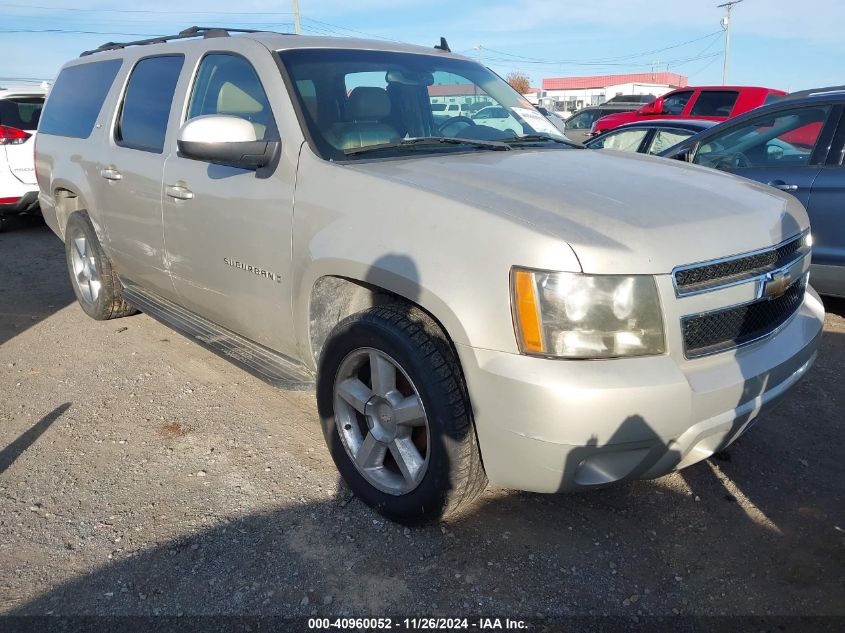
<point x="715" y="103"/>
<point x="77" y="97"/>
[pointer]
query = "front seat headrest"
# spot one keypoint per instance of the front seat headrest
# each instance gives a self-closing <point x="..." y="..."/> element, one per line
<point x="368" y="103"/>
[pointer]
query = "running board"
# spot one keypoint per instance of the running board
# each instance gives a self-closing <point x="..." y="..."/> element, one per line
<point x="270" y="366"/>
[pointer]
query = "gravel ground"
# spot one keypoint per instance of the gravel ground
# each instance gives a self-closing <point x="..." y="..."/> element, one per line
<point x="141" y="474"/>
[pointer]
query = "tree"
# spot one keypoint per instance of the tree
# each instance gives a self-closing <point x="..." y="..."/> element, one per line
<point x="519" y="81"/>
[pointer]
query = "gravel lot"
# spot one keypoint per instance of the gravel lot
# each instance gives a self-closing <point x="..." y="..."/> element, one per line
<point x="141" y="474"/>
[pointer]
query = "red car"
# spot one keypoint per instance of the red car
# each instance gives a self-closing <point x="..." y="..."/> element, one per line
<point x="711" y="103"/>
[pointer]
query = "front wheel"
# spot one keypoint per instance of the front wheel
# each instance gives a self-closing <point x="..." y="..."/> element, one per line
<point x="396" y="415"/>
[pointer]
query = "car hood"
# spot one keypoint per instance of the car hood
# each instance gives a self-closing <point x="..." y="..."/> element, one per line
<point x="620" y="212"/>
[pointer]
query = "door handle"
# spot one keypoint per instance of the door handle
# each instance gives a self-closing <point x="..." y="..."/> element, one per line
<point x="779" y="184"/>
<point x="179" y="192"/>
<point x="111" y="174"/>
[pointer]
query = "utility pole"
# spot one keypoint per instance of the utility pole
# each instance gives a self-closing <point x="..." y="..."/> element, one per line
<point x="726" y="24"/>
<point x="297" y="25"/>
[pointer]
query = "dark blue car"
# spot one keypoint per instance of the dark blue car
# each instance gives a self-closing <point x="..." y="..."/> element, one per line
<point x="796" y="144"/>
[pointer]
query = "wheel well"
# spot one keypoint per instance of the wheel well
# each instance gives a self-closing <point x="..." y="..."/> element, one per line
<point x="67" y="202"/>
<point x="335" y="298"/>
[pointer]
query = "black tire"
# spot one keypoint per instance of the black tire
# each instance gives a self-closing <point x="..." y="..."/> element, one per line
<point x="109" y="303"/>
<point x="455" y="475"/>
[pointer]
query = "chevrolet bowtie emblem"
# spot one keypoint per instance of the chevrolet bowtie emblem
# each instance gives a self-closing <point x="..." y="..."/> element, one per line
<point x="776" y="283"/>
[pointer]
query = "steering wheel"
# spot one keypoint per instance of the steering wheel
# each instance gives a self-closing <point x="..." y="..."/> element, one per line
<point x="443" y="129"/>
<point x="741" y="161"/>
<point x="737" y="160"/>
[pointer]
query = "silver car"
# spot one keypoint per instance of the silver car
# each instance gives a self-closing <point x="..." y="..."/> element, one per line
<point x="471" y="304"/>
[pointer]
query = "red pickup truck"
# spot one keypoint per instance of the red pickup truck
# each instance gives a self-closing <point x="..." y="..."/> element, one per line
<point x="713" y="103"/>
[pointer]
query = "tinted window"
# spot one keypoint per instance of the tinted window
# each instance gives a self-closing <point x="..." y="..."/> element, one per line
<point x="675" y="103"/>
<point x="77" y="97"/>
<point x="21" y="112"/>
<point x="583" y="120"/>
<point x="146" y="105"/>
<point x="784" y="138"/>
<point x="715" y="103"/>
<point x="227" y="84"/>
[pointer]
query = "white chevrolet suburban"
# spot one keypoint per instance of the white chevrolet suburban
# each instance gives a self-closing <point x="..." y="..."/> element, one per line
<point x="472" y="303"/>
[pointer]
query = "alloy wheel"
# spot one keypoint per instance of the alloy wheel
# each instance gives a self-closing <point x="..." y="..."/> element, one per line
<point x="381" y="421"/>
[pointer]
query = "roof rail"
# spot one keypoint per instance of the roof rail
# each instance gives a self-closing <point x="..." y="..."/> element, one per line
<point x="194" y="31"/>
<point x="816" y="92"/>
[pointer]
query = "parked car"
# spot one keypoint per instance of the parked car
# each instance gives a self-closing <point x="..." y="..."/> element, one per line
<point x="712" y="103"/>
<point x="579" y="125"/>
<point x="795" y="145"/>
<point x="20" y="109"/>
<point x="470" y="304"/>
<point x="499" y="118"/>
<point x="632" y="99"/>
<point x="648" y="137"/>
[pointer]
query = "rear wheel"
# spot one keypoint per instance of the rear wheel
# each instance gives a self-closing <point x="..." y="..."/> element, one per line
<point x="396" y="414"/>
<point x="94" y="281"/>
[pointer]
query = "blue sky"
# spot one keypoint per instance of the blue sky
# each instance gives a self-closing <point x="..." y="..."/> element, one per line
<point x="776" y="43"/>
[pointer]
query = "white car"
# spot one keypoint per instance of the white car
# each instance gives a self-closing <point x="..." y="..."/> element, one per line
<point x="20" y="110"/>
<point x="499" y="118"/>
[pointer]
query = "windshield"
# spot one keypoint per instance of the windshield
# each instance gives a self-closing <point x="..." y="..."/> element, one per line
<point x="352" y="100"/>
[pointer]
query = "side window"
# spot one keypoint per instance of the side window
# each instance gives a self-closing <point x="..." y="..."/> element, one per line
<point x="228" y="84"/>
<point x="664" y="139"/>
<point x="582" y="120"/>
<point x="674" y="104"/>
<point x="142" y="122"/>
<point x="785" y="138"/>
<point x="76" y="99"/>
<point x="623" y="140"/>
<point x="715" y="103"/>
<point x="21" y="112"/>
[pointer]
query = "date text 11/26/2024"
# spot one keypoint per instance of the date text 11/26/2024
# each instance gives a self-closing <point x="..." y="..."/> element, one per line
<point x="417" y="624"/>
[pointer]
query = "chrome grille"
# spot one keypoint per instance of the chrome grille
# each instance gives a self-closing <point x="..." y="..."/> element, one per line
<point x="732" y="327"/>
<point x="708" y="276"/>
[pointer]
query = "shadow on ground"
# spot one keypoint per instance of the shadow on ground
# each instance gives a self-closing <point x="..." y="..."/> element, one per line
<point x="755" y="530"/>
<point x="34" y="282"/>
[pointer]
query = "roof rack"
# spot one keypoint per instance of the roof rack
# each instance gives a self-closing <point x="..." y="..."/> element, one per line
<point x="194" y="31"/>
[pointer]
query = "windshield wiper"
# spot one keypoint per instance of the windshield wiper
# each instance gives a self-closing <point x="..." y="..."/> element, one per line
<point x="535" y="138"/>
<point x="422" y="141"/>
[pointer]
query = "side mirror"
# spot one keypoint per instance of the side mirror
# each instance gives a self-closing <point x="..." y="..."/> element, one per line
<point x="226" y="140"/>
<point x="655" y="107"/>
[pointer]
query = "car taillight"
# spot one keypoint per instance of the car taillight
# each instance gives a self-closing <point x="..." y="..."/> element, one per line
<point x="12" y="135"/>
<point x="9" y="200"/>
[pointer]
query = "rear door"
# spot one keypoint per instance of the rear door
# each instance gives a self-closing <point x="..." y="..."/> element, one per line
<point x="780" y="148"/>
<point x="129" y="174"/>
<point x="21" y="112"/>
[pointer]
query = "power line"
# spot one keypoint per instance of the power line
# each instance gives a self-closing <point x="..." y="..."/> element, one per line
<point x="604" y="59"/>
<point x="74" y="32"/>
<point x="153" y="11"/>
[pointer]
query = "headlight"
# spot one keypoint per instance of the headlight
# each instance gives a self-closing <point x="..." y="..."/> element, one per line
<point x="571" y="315"/>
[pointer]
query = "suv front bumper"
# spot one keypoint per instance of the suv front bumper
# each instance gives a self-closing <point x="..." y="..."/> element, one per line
<point x="552" y="425"/>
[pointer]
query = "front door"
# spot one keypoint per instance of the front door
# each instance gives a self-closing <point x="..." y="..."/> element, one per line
<point x="777" y="149"/>
<point x="228" y="230"/>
